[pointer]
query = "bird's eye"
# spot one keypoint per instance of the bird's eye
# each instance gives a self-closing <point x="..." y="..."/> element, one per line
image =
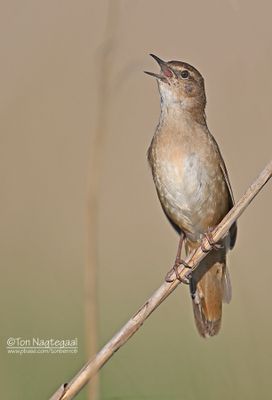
<point x="184" y="74"/>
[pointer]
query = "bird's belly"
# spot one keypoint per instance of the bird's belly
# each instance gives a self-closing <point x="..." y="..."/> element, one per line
<point x="192" y="192"/>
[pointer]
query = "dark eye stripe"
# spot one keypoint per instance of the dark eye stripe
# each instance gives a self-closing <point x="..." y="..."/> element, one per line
<point x="184" y="74"/>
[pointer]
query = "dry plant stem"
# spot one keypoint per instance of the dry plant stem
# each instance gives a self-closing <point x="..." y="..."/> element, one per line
<point x="128" y="330"/>
<point x="104" y="78"/>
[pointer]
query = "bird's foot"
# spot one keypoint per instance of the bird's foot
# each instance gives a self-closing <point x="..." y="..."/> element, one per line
<point x="183" y="279"/>
<point x="213" y="245"/>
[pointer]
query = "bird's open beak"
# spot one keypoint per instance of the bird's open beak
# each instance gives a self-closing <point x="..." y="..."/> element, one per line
<point x="166" y="71"/>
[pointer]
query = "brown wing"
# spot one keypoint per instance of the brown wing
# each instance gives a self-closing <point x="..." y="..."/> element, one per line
<point x="233" y="229"/>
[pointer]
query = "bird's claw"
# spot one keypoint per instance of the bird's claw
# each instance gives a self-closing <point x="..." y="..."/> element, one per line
<point x="184" y="279"/>
<point x="213" y="245"/>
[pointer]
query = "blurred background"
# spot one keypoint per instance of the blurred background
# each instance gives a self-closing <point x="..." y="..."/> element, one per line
<point x="77" y="115"/>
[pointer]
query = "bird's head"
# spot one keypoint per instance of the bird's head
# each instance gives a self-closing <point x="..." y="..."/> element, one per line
<point x="180" y="84"/>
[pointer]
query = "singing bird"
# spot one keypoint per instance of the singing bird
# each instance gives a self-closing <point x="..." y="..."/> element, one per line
<point x="193" y="186"/>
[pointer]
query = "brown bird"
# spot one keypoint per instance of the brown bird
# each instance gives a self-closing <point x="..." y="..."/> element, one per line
<point x="192" y="185"/>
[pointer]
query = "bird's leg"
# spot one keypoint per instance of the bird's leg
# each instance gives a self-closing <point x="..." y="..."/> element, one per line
<point x="178" y="262"/>
<point x="178" y="256"/>
<point x="214" y="245"/>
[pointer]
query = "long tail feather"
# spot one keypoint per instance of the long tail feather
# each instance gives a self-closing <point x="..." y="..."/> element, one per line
<point x="210" y="287"/>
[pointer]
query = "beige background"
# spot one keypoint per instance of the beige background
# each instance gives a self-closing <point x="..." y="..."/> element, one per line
<point x="50" y="68"/>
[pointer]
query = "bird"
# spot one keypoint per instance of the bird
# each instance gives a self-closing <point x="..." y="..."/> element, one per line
<point x="193" y="186"/>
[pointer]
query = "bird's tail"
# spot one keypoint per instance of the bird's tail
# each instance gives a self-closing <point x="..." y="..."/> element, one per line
<point x="210" y="286"/>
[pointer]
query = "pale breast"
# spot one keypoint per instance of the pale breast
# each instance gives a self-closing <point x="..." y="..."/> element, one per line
<point x="190" y="185"/>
